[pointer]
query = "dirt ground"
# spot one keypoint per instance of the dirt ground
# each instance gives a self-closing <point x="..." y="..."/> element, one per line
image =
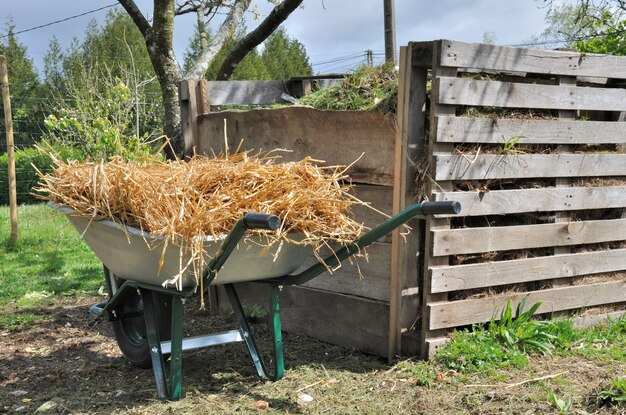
<point x="70" y="360"/>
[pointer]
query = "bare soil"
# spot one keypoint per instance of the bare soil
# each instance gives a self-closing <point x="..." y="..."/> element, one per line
<point x="70" y="358"/>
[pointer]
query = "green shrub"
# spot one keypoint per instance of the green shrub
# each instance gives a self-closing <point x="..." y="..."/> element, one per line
<point x="99" y="122"/>
<point x="26" y="175"/>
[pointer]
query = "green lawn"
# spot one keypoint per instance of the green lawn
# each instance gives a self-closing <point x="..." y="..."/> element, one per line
<point x="48" y="259"/>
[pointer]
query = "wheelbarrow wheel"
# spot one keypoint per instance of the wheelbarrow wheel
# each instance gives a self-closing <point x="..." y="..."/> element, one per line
<point x="130" y="330"/>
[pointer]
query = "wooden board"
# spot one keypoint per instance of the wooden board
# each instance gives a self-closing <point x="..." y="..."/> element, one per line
<point x="503" y="238"/>
<point x="256" y="92"/>
<point x="245" y="92"/>
<point x="473" y="92"/>
<point x="595" y="319"/>
<point x="466" y="312"/>
<point x="336" y="137"/>
<point x="501" y="202"/>
<point x="340" y="319"/>
<point x="432" y="223"/>
<point x="483" y="167"/>
<point x="498" y="131"/>
<point x="505" y="58"/>
<point x="379" y="198"/>
<point x="491" y="274"/>
<point x="372" y="282"/>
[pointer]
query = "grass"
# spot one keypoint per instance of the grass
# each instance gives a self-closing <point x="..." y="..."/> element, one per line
<point x="48" y="259"/>
<point x="368" y="88"/>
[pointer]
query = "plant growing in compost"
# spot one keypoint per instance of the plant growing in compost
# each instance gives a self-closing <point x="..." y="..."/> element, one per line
<point x="368" y="88"/>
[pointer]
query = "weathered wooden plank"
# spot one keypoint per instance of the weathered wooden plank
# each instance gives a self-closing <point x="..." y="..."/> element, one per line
<point x="466" y="312"/>
<point x="410" y="135"/>
<point x="490" y="274"/>
<point x="336" y="137"/>
<point x="436" y="110"/>
<point x="363" y="277"/>
<point x="189" y="111"/>
<point x="475" y="92"/>
<point x="339" y="319"/>
<point x="505" y="58"/>
<point x="258" y="92"/>
<point x="481" y="167"/>
<point x="501" y="202"/>
<point x="334" y="318"/>
<point x="379" y="200"/>
<point x="595" y="319"/>
<point x="564" y="182"/>
<point x="503" y="238"/>
<point x="498" y="131"/>
<point x="246" y="92"/>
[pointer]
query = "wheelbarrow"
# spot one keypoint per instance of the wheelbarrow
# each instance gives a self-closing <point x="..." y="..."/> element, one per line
<point x="147" y="314"/>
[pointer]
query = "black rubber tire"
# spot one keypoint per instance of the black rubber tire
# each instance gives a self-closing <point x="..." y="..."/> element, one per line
<point x="130" y="332"/>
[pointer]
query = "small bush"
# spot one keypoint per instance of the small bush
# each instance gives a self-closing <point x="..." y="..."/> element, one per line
<point x="26" y="174"/>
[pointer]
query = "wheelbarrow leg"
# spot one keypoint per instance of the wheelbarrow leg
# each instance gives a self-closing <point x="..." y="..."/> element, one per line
<point x="158" y="366"/>
<point x="279" y="366"/>
<point x="176" y="353"/>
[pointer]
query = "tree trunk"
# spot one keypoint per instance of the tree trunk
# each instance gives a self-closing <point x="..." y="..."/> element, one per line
<point x="159" y="37"/>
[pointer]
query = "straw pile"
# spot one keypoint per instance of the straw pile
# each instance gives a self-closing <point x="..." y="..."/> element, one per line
<point x="188" y="201"/>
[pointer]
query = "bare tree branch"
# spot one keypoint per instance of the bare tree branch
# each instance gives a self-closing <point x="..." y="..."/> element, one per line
<point x="253" y="39"/>
<point x="225" y="32"/>
<point x="192" y="6"/>
<point x="135" y="14"/>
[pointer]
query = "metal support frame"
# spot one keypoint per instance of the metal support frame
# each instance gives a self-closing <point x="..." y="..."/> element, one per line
<point x="175" y="347"/>
<point x="172" y="388"/>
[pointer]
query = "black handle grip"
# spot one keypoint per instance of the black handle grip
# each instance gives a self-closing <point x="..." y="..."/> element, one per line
<point x="450" y="207"/>
<point x="261" y="221"/>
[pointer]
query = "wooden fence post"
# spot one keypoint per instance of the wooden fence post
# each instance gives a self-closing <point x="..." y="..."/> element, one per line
<point x="188" y="114"/>
<point x="410" y="136"/>
<point x="8" y="123"/>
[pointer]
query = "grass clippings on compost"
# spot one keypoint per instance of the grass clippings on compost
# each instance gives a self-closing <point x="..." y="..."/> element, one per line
<point x="189" y="201"/>
<point x="367" y="88"/>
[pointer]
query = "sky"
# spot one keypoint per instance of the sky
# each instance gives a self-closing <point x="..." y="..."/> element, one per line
<point x="335" y="33"/>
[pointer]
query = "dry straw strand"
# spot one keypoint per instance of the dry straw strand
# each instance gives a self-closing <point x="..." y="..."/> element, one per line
<point x="188" y="201"/>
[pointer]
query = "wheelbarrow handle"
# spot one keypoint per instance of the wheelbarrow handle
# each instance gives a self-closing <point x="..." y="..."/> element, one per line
<point x="250" y="220"/>
<point x="261" y="221"/>
<point x="441" y="208"/>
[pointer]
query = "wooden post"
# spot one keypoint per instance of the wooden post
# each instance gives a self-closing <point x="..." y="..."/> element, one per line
<point x="409" y="133"/>
<point x="390" y="30"/>
<point x="564" y="217"/>
<point x="8" y="123"/>
<point x="431" y="339"/>
<point x="188" y="113"/>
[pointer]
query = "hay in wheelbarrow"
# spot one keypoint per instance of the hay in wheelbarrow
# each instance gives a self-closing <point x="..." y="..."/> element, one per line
<point x="187" y="201"/>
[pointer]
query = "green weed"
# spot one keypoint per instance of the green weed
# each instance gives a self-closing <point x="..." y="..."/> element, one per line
<point x="503" y="343"/>
<point x="509" y="147"/>
<point x="522" y="332"/>
<point x="563" y="405"/>
<point x="615" y="394"/>
<point x="422" y="372"/>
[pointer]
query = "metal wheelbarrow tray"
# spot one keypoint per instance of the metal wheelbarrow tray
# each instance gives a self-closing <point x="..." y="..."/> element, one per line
<point x="147" y="317"/>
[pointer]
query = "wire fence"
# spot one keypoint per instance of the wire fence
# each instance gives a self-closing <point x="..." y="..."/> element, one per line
<point x="28" y="115"/>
